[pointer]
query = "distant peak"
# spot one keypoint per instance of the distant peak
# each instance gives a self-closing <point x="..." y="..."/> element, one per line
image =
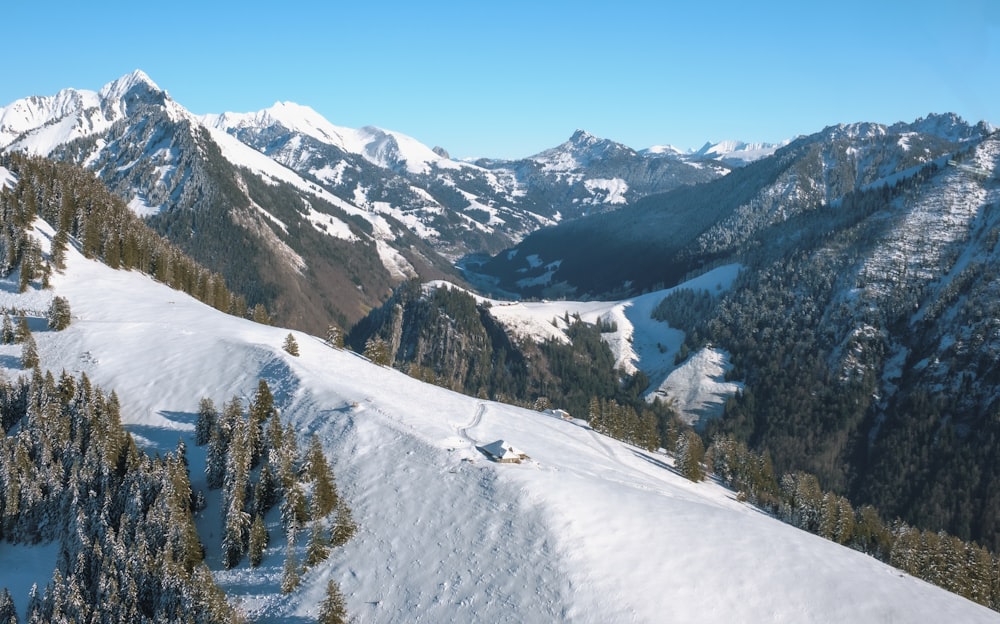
<point x="137" y="80"/>
<point x="137" y="77"/>
<point x="582" y="136"/>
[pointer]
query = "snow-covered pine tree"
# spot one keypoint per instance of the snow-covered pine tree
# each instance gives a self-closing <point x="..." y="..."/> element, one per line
<point x="8" y="614"/>
<point x="265" y="492"/>
<point x="318" y="548"/>
<point x="60" y="242"/>
<point x="333" y="609"/>
<point x="7" y="330"/>
<point x="290" y="576"/>
<point x="344" y="526"/>
<point x="290" y="345"/>
<point x="215" y="460"/>
<point x="22" y="331"/>
<point x="258" y="541"/>
<point x="334" y="336"/>
<point x="29" y="353"/>
<point x="377" y="350"/>
<point x="58" y="315"/>
<point x="237" y="479"/>
<point x="294" y="507"/>
<point x="318" y="471"/>
<point x="208" y="418"/>
<point x="262" y="405"/>
<point x="689" y="454"/>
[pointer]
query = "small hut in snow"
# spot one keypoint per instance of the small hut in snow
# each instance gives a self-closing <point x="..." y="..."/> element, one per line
<point x="560" y="413"/>
<point x="503" y="453"/>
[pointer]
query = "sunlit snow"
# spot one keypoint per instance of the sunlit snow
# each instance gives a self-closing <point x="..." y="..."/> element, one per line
<point x="587" y="530"/>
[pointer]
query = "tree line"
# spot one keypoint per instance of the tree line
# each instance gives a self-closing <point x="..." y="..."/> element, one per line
<point x="70" y="473"/>
<point x="80" y="208"/>
<point x="255" y="459"/>
<point x="963" y="567"/>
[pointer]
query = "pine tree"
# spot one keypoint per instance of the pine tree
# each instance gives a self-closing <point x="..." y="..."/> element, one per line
<point x="236" y="480"/>
<point x="690" y="453"/>
<point x="26" y="274"/>
<point x="318" y="548"/>
<point x="334" y="337"/>
<point x="344" y="526"/>
<point x="60" y="242"/>
<point x="33" y="613"/>
<point x="265" y="492"/>
<point x="215" y="461"/>
<point x="8" y="614"/>
<point x="377" y="351"/>
<point x="594" y="415"/>
<point x="333" y="610"/>
<point x="260" y="315"/>
<point x="22" y="331"/>
<point x="29" y="353"/>
<point x="262" y="406"/>
<point x="208" y="418"/>
<point x="290" y="574"/>
<point x="294" y="507"/>
<point x="319" y="473"/>
<point x="7" y="331"/>
<point x="58" y="314"/>
<point x="291" y="346"/>
<point x="258" y="541"/>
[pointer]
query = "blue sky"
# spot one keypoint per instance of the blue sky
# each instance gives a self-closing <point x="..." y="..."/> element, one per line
<point x="511" y="79"/>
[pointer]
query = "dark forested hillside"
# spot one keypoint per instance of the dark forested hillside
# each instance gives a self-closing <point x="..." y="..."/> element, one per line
<point x="659" y="239"/>
<point x="865" y="333"/>
<point x="441" y="335"/>
<point x="864" y="320"/>
<point x="79" y="206"/>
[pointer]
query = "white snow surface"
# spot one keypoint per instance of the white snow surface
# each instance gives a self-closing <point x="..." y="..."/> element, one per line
<point x="385" y="148"/>
<point x="39" y="124"/>
<point x="608" y="191"/>
<point x="7" y="178"/>
<point x="587" y="530"/>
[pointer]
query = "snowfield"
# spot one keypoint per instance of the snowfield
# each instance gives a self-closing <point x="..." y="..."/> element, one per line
<point x="587" y="530"/>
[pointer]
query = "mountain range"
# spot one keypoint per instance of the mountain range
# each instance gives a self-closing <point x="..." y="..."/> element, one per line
<point x="830" y="302"/>
<point x="319" y="222"/>
<point x="586" y="529"/>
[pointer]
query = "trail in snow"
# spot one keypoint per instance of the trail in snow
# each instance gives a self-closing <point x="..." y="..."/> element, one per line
<point x="476" y="421"/>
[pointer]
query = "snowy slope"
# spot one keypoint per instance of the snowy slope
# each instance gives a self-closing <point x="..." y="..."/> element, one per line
<point x="40" y="124"/>
<point x="588" y="530"/>
<point x="384" y="148"/>
<point x="639" y="342"/>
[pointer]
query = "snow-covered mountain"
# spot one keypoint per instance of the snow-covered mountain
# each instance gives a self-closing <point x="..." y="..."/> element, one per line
<point x="586" y="530"/>
<point x="279" y="238"/>
<point x="39" y="124"/>
<point x="866" y="310"/>
<point x="387" y="149"/>
<point x="733" y="153"/>
<point x="579" y="151"/>
<point x="302" y="191"/>
<point x="586" y="257"/>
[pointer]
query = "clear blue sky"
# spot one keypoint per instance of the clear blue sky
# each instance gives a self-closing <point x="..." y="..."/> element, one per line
<point x="508" y="79"/>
